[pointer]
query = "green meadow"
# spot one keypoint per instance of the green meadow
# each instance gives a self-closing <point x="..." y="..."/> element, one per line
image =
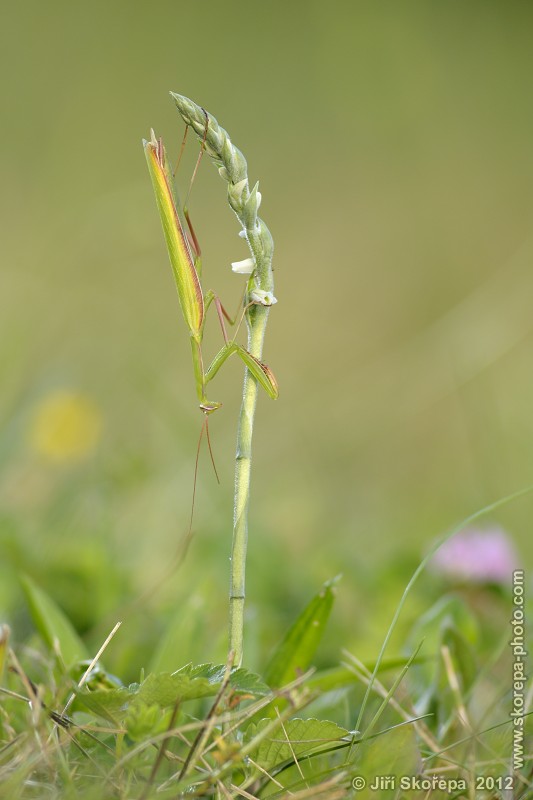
<point x="392" y="143"/>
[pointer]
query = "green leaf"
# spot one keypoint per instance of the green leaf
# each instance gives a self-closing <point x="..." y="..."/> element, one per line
<point x="164" y="689"/>
<point x="108" y="704"/>
<point x="143" y="721"/>
<point x="158" y="689"/>
<point x="392" y="754"/>
<point x="55" y="628"/>
<point x="295" y="652"/>
<point x="242" y="681"/>
<point x="98" y="677"/>
<point x="194" y="682"/>
<point x="248" y="683"/>
<point x="295" y="738"/>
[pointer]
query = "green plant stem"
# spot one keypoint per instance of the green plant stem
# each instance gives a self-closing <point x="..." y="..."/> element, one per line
<point x="243" y="467"/>
<point x="245" y="203"/>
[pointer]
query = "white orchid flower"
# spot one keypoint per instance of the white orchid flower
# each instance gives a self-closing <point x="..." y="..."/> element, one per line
<point x="244" y="267"/>
<point x="262" y="298"/>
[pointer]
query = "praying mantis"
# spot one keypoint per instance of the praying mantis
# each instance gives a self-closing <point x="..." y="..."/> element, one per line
<point x="184" y="254"/>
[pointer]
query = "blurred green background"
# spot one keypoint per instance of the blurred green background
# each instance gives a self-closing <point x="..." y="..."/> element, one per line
<point x="394" y="147"/>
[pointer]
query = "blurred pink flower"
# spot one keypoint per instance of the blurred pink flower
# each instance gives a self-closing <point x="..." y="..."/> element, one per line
<point x="477" y="555"/>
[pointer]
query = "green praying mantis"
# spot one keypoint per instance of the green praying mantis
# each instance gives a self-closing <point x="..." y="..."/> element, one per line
<point x="184" y="254"/>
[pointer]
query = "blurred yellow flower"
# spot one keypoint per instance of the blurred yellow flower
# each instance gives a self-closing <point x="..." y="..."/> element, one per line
<point x="66" y="427"/>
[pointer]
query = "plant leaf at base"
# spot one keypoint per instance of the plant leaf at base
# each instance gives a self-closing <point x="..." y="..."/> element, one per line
<point x="55" y="628"/>
<point x="296" y="650"/>
<point x="295" y="738"/>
